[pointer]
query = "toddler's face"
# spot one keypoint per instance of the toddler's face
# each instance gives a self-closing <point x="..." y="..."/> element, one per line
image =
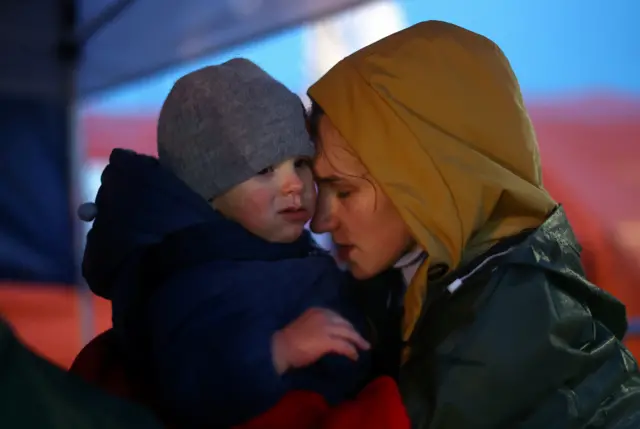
<point x="276" y="203"/>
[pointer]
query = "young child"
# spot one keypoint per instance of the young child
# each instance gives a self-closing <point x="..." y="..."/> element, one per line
<point x="220" y="296"/>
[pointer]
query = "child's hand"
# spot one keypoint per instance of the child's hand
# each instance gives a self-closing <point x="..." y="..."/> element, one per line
<point x="311" y="336"/>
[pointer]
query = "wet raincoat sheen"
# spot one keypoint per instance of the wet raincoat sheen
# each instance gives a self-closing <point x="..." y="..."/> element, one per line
<point x="513" y="335"/>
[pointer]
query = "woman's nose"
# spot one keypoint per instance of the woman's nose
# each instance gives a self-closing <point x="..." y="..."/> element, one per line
<point x="323" y="220"/>
<point x="317" y="225"/>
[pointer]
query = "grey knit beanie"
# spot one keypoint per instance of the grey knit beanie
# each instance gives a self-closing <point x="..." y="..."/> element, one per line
<point x="220" y="125"/>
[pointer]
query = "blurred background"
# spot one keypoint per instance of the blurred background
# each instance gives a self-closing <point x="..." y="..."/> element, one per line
<point x="78" y="78"/>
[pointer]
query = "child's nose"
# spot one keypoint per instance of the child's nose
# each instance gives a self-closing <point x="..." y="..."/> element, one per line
<point x="292" y="184"/>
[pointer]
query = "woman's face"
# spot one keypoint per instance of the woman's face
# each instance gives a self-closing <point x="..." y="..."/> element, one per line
<point x="366" y="227"/>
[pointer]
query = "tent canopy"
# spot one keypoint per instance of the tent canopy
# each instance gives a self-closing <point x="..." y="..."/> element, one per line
<point x="55" y="51"/>
<point x="122" y="40"/>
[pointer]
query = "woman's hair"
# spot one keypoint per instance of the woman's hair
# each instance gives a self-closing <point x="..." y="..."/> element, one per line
<point x="314" y="115"/>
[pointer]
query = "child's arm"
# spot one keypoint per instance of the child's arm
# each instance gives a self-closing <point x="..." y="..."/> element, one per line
<point x="217" y="347"/>
<point x="335" y="376"/>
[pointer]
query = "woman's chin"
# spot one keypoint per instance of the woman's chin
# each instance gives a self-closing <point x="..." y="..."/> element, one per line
<point x="359" y="272"/>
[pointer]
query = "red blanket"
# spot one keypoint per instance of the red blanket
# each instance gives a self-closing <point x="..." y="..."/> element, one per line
<point x="378" y="406"/>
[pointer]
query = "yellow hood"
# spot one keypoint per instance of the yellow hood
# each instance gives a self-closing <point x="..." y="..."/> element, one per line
<point x="436" y="115"/>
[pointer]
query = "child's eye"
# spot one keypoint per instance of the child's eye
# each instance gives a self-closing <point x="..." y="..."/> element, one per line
<point x="302" y="162"/>
<point x="342" y="194"/>
<point x="265" y="171"/>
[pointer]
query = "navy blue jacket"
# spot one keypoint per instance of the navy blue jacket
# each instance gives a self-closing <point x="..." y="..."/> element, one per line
<point x="196" y="297"/>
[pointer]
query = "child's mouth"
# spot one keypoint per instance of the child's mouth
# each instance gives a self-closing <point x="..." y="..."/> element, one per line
<point x="296" y="215"/>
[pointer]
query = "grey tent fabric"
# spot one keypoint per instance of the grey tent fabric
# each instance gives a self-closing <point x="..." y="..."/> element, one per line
<point x="122" y="40"/>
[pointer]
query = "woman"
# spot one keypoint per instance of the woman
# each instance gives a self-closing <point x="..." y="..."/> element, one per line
<point x="428" y="162"/>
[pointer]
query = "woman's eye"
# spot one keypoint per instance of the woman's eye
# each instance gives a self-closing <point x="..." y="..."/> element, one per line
<point x="342" y="194"/>
<point x="265" y="171"/>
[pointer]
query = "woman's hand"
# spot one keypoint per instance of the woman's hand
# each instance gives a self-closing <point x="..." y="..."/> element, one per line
<point x="317" y="332"/>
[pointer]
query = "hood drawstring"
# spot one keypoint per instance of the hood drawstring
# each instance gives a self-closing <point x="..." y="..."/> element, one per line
<point x="87" y="212"/>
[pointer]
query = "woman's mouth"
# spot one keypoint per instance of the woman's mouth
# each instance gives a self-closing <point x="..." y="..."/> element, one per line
<point x="343" y="252"/>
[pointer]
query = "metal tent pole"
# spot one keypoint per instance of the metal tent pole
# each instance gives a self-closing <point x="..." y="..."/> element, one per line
<point x="69" y="56"/>
<point x="107" y="15"/>
<point x="73" y="40"/>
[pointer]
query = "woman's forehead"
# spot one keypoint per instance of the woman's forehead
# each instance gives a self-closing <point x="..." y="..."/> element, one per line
<point x="335" y="158"/>
<point x="335" y="162"/>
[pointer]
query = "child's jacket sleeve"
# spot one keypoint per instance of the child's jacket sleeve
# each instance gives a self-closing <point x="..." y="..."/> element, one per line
<point x="211" y="333"/>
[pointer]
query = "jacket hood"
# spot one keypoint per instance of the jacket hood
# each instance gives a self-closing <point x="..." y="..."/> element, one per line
<point x="138" y="203"/>
<point x="436" y="115"/>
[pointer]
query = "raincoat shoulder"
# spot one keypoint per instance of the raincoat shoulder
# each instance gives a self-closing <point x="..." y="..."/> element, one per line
<point x="34" y="393"/>
<point x="526" y="326"/>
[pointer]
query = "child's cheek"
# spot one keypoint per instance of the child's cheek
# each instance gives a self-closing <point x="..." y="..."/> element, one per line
<point x="257" y="208"/>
